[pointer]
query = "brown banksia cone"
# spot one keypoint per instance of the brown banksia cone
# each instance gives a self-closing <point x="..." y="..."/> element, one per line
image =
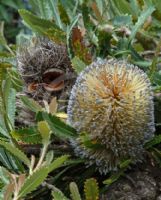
<point x="46" y="70"/>
<point x="111" y="106"/>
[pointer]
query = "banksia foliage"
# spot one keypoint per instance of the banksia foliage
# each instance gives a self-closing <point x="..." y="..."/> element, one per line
<point x="111" y="106"/>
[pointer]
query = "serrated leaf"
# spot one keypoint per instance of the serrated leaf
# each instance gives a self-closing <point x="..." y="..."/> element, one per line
<point x="31" y="104"/>
<point x="124" y="164"/>
<point x="7" y="58"/>
<point x="4" y="175"/>
<point x="3" y="67"/>
<point x="86" y="17"/>
<point x="96" y="11"/>
<point x="32" y="20"/>
<point x="45" y="9"/>
<point x="156" y="140"/>
<point x="44" y="130"/>
<point x="2" y="38"/>
<point x="88" y="143"/>
<point x="56" y="35"/>
<point x="14" y="4"/>
<point x="58" y="127"/>
<point x="53" y="5"/>
<point x="63" y="14"/>
<point x="78" y="64"/>
<point x="91" y="189"/>
<point x="68" y="32"/>
<point x="75" y="195"/>
<point x="123" y="20"/>
<point x="9" y="161"/>
<point x="15" y="151"/>
<point x="49" y="157"/>
<point x="123" y="6"/>
<point x="4" y="159"/>
<point x="141" y="20"/>
<point x="135" y="7"/>
<point x="28" y="135"/>
<point x="114" y="177"/>
<point x="15" y="79"/>
<point x="79" y="48"/>
<point x="157" y="155"/>
<point x="10" y="100"/>
<point x="33" y="181"/>
<point x="36" y="23"/>
<point x="58" y="162"/>
<point x="58" y="195"/>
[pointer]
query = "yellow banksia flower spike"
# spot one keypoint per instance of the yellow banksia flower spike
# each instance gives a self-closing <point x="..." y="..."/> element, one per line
<point x="112" y="102"/>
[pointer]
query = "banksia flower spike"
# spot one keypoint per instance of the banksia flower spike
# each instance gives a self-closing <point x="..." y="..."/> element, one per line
<point x="111" y="106"/>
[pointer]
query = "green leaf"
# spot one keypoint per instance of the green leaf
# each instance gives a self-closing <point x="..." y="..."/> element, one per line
<point x="91" y="189"/>
<point x="53" y="6"/>
<point x="56" y="35"/>
<point x="32" y="19"/>
<point x="5" y="159"/>
<point x="2" y="38"/>
<point x="123" y="20"/>
<point x="3" y="131"/>
<point x="33" y="181"/>
<point x="10" y="100"/>
<point x="36" y="23"/>
<point x="86" y="17"/>
<point x="157" y="155"/>
<point x="49" y="157"/>
<point x="7" y="58"/>
<point x="78" y="64"/>
<point x="123" y="6"/>
<point x="75" y="195"/>
<point x="44" y="130"/>
<point x="88" y="143"/>
<point x="58" y="195"/>
<point x="58" y="127"/>
<point x="44" y="8"/>
<point x="63" y="14"/>
<point x="14" y="76"/>
<point x="16" y="152"/>
<point x="114" y="177"/>
<point x="4" y="174"/>
<point x="124" y="164"/>
<point x="13" y="3"/>
<point x="58" y="162"/>
<point x="44" y="26"/>
<point x="28" y="135"/>
<point x="31" y="104"/>
<point x="143" y="64"/>
<point x="156" y="140"/>
<point x="135" y="7"/>
<point x="141" y="20"/>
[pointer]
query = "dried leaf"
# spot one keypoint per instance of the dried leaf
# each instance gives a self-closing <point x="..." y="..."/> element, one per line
<point x="79" y="47"/>
<point x="9" y="191"/>
<point x="96" y="10"/>
<point x="53" y="106"/>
